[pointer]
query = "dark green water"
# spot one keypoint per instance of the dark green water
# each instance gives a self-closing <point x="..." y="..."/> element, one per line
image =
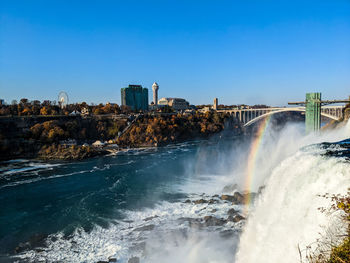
<point x="38" y="200"/>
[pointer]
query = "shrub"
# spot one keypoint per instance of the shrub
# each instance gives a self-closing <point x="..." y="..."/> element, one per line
<point x="336" y="247"/>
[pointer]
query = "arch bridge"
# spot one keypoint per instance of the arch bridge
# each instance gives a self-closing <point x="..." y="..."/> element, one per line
<point x="250" y="116"/>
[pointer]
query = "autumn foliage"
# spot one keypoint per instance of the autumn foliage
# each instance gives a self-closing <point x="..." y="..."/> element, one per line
<point x="163" y="129"/>
<point x="335" y="247"/>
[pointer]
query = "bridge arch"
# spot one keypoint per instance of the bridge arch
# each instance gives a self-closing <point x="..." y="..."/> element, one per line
<point x="284" y="110"/>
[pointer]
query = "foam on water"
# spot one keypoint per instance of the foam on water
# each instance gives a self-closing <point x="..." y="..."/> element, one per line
<point x="141" y="234"/>
<point x="286" y="215"/>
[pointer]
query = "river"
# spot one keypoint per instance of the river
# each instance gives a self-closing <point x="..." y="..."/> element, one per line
<point x="142" y="202"/>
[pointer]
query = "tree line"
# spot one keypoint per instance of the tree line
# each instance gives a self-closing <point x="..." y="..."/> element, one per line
<point x="48" y="108"/>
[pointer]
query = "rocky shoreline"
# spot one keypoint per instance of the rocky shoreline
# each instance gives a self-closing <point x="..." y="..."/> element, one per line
<point x="233" y="216"/>
<point x="217" y="213"/>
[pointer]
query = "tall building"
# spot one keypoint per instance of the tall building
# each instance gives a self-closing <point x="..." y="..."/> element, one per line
<point x="135" y="96"/>
<point x="155" y="88"/>
<point x="215" y="105"/>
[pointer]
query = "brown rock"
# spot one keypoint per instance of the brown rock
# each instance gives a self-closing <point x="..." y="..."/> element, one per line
<point x="231" y="212"/>
<point x="213" y="201"/>
<point x="236" y="198"/>
<point x="200" y="201"/>
<point x="213" y="221"/>
<point x="235" y="218"/>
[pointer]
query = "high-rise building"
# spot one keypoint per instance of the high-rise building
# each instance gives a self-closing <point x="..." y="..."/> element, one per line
<point x="155" y="88"/>
<point x="135" y="96"/>
<point x="215" y="105"/>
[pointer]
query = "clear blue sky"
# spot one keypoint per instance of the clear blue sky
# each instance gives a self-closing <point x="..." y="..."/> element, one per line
<point x="267" y="52"/>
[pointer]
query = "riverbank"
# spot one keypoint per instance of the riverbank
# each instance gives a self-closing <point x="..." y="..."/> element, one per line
<point x="68" y="138"/>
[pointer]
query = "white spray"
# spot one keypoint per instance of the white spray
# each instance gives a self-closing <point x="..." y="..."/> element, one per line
<point x="286" y="216"/>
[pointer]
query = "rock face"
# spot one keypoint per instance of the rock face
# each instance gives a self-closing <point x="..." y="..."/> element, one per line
<point x="62" y="152"/>
<point x="235" y="218"/>
<point x="236" y="198"/>
<point x="346" y="114"/>
<point x="214" y="221"/>
<point x="231" y="212"/>
<point x="200" y="201"/>
<point x="35" y="241"/>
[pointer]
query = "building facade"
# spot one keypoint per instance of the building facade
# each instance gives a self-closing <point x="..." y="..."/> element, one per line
<point x="135" y="96"/>
<point x="215" y="105"/>
<point x="175" y="103"/>
<point x="155" y="88"/>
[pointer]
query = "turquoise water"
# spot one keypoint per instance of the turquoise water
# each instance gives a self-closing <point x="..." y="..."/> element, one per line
<point x="135" y="203"/>
<point x="42" y="202"/>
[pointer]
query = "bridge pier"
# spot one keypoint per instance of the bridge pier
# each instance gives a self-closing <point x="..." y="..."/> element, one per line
<point x="313" y="112"/>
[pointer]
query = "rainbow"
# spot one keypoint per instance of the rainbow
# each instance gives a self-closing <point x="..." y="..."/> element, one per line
<point x="254" y="150"/>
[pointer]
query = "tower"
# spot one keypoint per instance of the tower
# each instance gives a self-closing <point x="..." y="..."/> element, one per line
<point x="313" y="112"/>
<point x="155" y="88"/>
<point x="215" y="105"/>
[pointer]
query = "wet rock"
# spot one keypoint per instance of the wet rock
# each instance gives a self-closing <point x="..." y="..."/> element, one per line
<point x="236" y="198"/>
<point x="22" y="247"/>
<point x="200" y="201"/>
<point x="227" y="198"/>
<point x="213" y="210"/>
<point x="238" y="218"/>
<point x="239" y="198"/>
<point x="145" y="228"/>
<point x="235" y="218"/>
<point x="101" y="261"/>
<point x="215" y="196"/>
<point x="213" y="201"/>
<point x="188" y="201"/>
<point x="213" y="221"/>
<point x="134" y="260"/>
<point x="112" y="260"/>
<point x="35" y="241"/>
<point x="231" y="212"/>
<point x="150" y="218"/>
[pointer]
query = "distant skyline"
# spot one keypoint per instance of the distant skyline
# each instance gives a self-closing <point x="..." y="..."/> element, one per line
<point x="242" y="52"/>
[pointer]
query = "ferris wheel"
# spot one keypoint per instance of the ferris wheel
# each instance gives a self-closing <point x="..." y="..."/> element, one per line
<point x="63" y="99"/>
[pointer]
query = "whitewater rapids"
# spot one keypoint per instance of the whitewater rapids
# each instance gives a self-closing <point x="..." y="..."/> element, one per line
<point x="126" y="205"/>
<point x="286" y="216"/>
